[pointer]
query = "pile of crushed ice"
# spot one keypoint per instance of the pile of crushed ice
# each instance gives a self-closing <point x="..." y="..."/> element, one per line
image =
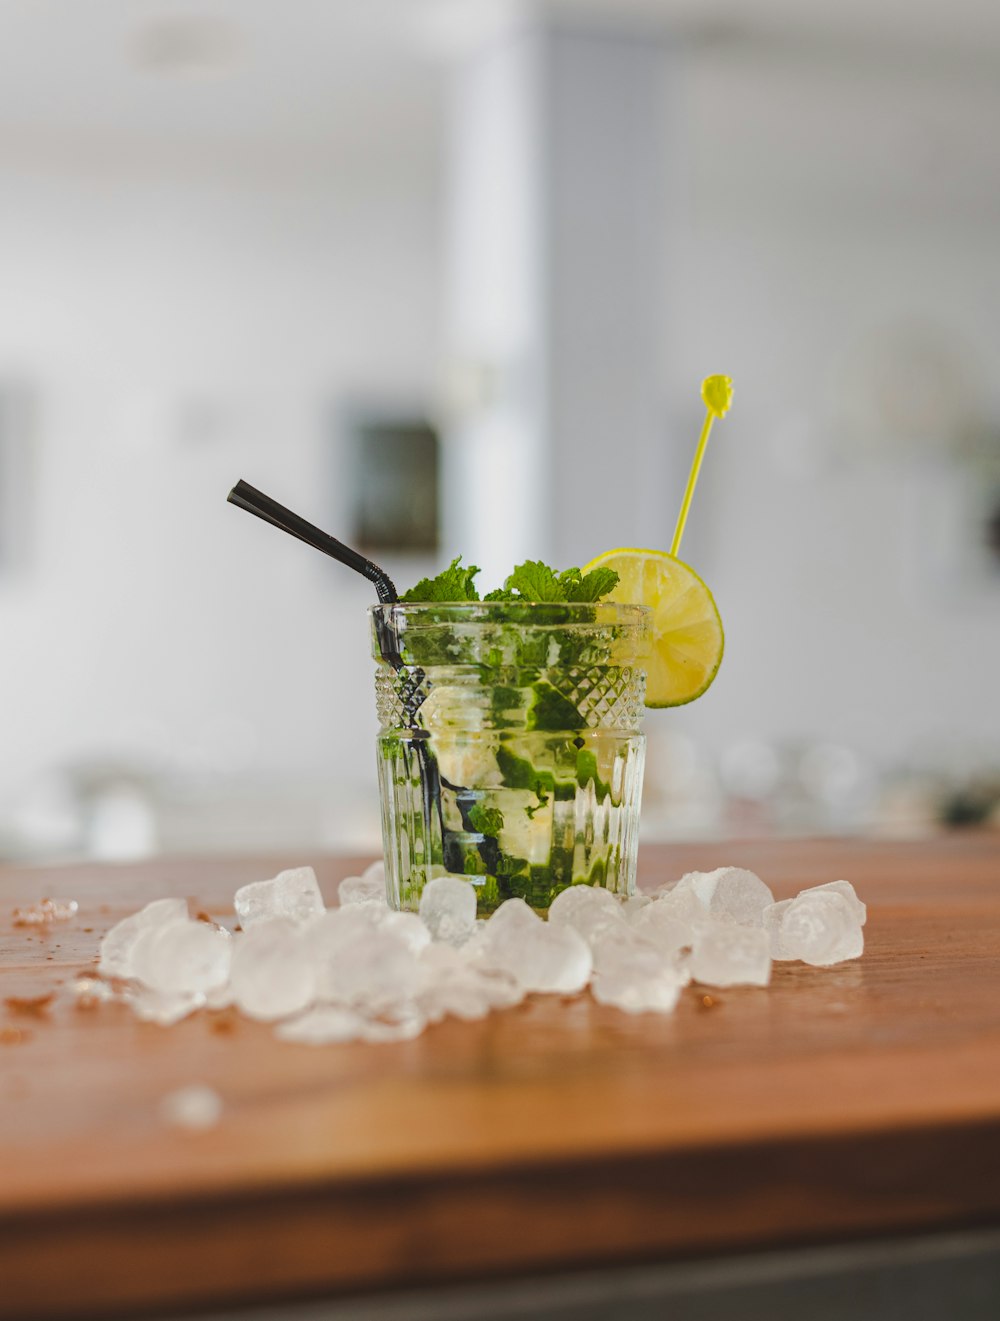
<point x="362" y="972"/>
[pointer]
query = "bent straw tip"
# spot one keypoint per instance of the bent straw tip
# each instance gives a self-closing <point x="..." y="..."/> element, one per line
<point x="717" y="393"/>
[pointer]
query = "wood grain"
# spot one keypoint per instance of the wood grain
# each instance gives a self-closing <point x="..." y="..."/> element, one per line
<point x="853" y="1100"/>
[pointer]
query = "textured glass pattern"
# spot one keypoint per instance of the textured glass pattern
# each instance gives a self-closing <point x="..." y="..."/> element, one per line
<point x="606" y="696"/>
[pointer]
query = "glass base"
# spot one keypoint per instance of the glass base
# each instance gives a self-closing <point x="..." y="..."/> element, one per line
<point x="519" y="815"/>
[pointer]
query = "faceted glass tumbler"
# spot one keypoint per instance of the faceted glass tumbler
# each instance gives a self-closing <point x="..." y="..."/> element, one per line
<point x="509" y="748"/>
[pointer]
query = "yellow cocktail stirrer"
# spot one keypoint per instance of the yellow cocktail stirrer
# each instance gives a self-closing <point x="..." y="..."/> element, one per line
<point x="717" y="392"/>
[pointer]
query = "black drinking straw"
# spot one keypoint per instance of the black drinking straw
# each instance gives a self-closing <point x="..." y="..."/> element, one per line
<point x="255" y="502"/>
<point x="247" y="497"/>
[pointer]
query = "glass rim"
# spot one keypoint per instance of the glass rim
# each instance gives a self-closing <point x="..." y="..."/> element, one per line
<point x="520" y="612"/>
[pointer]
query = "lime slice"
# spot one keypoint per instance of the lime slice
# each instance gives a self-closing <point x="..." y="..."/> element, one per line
<point x="687" y="641"/>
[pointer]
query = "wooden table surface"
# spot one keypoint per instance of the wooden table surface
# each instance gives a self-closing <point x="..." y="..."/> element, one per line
<point x="843" y="1102"/>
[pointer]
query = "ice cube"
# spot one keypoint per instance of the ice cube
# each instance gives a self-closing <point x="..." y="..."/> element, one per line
<point x="500" y="928"/>
<point x="363" y="890"/>
<point x="452" y="984"/>
<point x="540" y="956"/>
<point x="408" y="927"/>
<point x="219" y="998"/>
<point x="194" y="1107"/>
<point x="729" y="955"/>
<point x="338" y="928"/>
<point x="660" y="924"/>
<point x="439" y="961"/>
<point x="448" y="909"/>
<point x="183" y="956"/>
<point x="498" y="988"/>
<point x="272" y="975"/>
<point x="588" y="909"/>
<point x="118" y="945"/>
<point x="821" y="927"/>
<point x="634" y="905"/>
<point x="846" y="889"/>
<point x="367" y="965"/>
<point x="732" y="895"/>
<point x="512" y="914"/>
<point x="581" y="899"/>
<point x="555" y="960"/>
<point x="291" y="894"/>
<point x="772" y="919"/>
<point x="457" y="998"/>
<point x="632" y="974"/>
<point x="682" y="905"/>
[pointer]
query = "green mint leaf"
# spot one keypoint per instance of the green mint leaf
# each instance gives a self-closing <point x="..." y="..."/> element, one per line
<point x="511" y="866"/>
<point x="535" y="581"/>
<point x="452" y="584"/>
<point x="485" y="820"/>
<point x="530" y="581"/>
<point x="592" y="586"/>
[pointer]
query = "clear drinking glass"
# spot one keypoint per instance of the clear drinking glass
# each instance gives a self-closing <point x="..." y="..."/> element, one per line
<point x="509" y="749"/>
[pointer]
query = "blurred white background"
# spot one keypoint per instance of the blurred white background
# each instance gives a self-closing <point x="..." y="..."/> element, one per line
<point x="224" y="223"/>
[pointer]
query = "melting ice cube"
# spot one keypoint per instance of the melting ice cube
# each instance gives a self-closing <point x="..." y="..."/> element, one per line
<point x="820" y="927"/>
<point x="540" y="956"/>
<point x="448" y="909"/>
<point x="367" y="964"/>
<point x="846" y="889"/>
<point x="729" y="955"/>
<point x="631" y="973"/>
<point x="119" y="944"/>
<point x="634" y="904"/>
<point x="731" y="894"/>
<point x="682" y="904"/>
<point x="588" y="909"/>
<point x="363" y="890"/>
<point x="272" y="975"/>
<point x="660" y="924"/>
<point x="452" y="982"/>
<point x="772" y="919"/>
<point x="291" y="894"/>
<point x="183" y="957"/>
<point x="408" y="928"/>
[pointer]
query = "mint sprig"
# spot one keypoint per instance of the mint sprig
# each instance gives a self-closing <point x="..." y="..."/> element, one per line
<point x="452" y="584"/>
<point x="531" y="581"/>
<point x="588" y="586"/>
<point x="535" y="581"/>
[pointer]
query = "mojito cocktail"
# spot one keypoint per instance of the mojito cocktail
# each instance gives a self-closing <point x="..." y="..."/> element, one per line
<point x="510" y="749"/>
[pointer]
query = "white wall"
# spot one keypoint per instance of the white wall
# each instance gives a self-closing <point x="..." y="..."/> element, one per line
<point x="184" y="326"/>
<point x="835" y="214"/>
<point x="181" y="330"/>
